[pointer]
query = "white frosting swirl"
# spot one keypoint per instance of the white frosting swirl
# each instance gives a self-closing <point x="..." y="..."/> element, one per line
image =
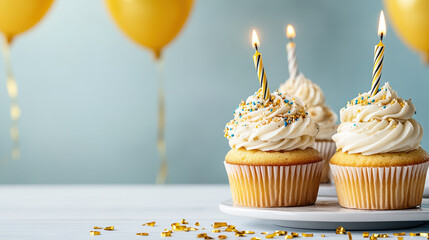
<point x="311" y="94"/>
<point x="278" y="124"/>
<point x="379" y="124"/>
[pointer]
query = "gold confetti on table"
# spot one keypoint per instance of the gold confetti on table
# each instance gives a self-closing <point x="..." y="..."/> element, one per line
<point x="202" y="235"/>
<point x="150" y="224"/>
<point x="414" y="234"/>
<point x="249" y="232"/>
<point x="142" y="234"/>
<point x="95" y="227"/>
<point x="239" y="234"/>
<point x="270" y="235"/>
<point x="255" y="238"/>
<point x="208" y="237"/>
<point x="165" y="234"/>
<point x="109" y="228"/>
<point x="307" y="234"/>
<point x="197" y="224"/>
<point x="221" y="236"/>
<point x="350" y="235"/>
<point x="400" y="238"/>
<point x="399" y="234"/>
<point x="288" y="237"/>
<point x="264" y="232"/>
<point x="92" y="233"/>
<point x="220" y="224"/>
<point x="424" y="234"/>
<point x="340" y="230"/>
<point x="294" y="234"/>
<point x="183" y="221"/>
<point x="365" y="234"/>
<point x="216" y="230"/>
<point x="323" y="235"/>
<point x="372" y="238"/>
<point x="280" y="233"/>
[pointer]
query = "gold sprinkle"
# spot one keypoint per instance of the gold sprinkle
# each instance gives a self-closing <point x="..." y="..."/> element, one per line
<point x="255" y="238"/>
<point x="179" y="228"/>
<point x="264" y="232"/>
<point x="221" y="236"/>
<point x="216" y="230"/>
<point x="350" y="235"/>
<point x="166" y="234"/>
<point x="399" y="234"/>
<point x="183" y="221"/>
<point x="294" y="234"/>
<point x="400" y="238"/>
<point x="323" y="235"/>
<point x="280" y="233"/>
<point x="109" y="228"/>
<point x="142" y="234"/>
<point x="193" y="229"/>
<point x="414" y="234"/>
<point x="93" y="233"/>
<point x="372" y="238"/>
<point x="208" y="237"/>
<point x="239" y="234"/>
<point x="150" y="224"/>
<point x="175" y="224"/>
<point x="365" y="234"/>
<point x="270" y="235"/>
<point x="220" y="224"/>
<point x="288" y="237"/>
<point x="424" y="234"/>
<point x="95" y="227"/>
<point x="197" y="224"/>
<point x="340" y="230"/>
<point x="202" y="235"/>
<point x="249" y="232"/>
<point x="307" y="234"/>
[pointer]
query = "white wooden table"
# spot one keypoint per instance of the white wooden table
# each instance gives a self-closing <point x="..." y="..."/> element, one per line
<point x="70" y="211"/>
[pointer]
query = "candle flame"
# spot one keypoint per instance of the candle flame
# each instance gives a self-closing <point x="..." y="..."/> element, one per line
<point x="255" y="40"/>
<point x="290" y="32"/>
<point x="382" y="25"/>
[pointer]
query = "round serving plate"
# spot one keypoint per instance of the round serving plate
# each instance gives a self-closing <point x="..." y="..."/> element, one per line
<point x="326" y="213"/>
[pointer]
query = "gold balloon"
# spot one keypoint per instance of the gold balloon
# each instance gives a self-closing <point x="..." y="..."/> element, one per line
<point x="151" y="23"/>
<point x="410" y="19"/>
<point x="17" y="16"/>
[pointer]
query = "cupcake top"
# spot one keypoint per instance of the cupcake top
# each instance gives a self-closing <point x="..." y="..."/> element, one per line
<point x="379" y="124"/>
<point x="278" y="124"/>
<point x="311" y="94"/>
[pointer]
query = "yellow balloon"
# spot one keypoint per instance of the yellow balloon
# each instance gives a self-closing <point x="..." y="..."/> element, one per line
<point x="17" y="16"/>
<point x="151" y="23"/>
<point x="410" y="19"/>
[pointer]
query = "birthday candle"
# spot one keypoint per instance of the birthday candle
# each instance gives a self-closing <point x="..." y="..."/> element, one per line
<point x="291" y="55"/>
<point x="378" y="56"/>
<point x="257" y="59"/>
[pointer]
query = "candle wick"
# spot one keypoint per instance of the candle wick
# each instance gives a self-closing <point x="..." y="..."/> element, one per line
<point x="256" y="46"/>
<point x="381" y="37"/>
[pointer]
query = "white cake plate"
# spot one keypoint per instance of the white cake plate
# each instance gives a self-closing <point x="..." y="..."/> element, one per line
<point x="328" y="190"/>
<point x="328" y="214"/>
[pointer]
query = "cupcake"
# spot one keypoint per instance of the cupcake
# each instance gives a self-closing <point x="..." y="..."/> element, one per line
<point x="311" y="94"/>
<point x="379" y="163"/>
<point x="271" y="162"/>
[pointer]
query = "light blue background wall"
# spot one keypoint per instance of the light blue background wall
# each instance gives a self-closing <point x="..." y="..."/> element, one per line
<point x="88" y="94"/>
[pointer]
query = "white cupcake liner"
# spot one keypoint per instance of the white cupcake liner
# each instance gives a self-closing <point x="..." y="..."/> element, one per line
<point x="380" y="187"/>
<point x="327" y="149"/>
<point x="274" y="186"/>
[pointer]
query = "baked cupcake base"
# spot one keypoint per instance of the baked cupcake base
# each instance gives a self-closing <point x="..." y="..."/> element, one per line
<point x="327" y="149"/>
<point x="274" y="179"/>
<point x="380" y="181"/>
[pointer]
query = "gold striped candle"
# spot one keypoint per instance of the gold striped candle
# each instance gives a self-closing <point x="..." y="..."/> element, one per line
<point x="291" y="55"/>
<point x="260" y="70"/>
<point x="378" y="56"/>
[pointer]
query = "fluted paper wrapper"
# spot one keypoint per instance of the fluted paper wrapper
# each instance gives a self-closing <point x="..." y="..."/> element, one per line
<point x="327" y="149"/>
<point x="274" y="186"/>
<point x="380" y="187"/>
